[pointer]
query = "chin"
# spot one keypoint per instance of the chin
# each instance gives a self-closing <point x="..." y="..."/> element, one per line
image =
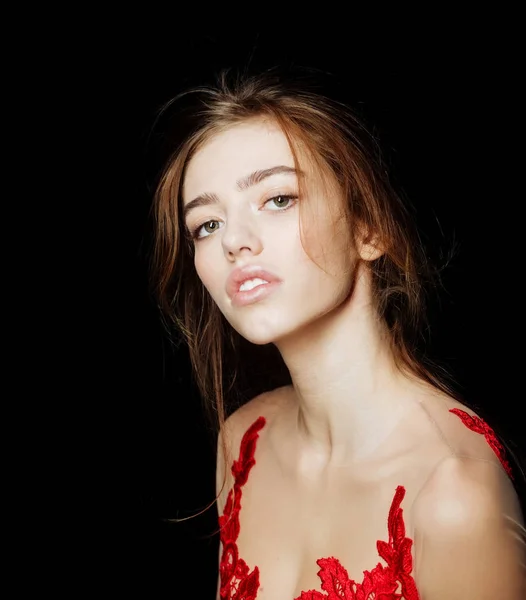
<point x="257" y="337"/>
<point x="263" y="330"/>
<point x="259" y="331"/>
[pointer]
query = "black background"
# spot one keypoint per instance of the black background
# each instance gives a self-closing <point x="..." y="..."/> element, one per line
<point x="443" y="99"/>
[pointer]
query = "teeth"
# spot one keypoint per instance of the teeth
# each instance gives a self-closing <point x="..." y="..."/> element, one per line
<point x="250" y="284"/>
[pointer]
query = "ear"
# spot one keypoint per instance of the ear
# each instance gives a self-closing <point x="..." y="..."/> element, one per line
<point x="369" y="246"/>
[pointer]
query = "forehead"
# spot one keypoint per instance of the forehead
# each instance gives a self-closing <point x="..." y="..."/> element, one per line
<point x="237" y="151"/>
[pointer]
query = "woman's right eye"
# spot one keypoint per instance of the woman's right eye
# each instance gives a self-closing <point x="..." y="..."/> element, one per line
<point x="196" y="231"/>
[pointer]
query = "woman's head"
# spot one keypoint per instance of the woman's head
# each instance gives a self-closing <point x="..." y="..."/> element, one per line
<point x="242" y="197"/>
<point x="274" y="174"/>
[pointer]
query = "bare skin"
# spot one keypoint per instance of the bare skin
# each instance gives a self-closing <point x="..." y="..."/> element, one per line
<point x="351" y="427"/>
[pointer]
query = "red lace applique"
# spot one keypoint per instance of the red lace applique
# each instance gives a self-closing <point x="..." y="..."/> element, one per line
<point x="477" y="425"/>
<point x="237" y="582"/>
<point x="380" y="583"/>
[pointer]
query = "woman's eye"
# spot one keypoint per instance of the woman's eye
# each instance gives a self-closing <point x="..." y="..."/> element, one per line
<point x="281" y="201"/>
<point x="209" y="224"/>
<point x="207" y="228"/>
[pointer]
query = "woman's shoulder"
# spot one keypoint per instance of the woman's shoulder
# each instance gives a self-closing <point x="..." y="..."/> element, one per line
<point x="257" y="413"/>
<point x="459" y="486"/>
<point x="464" y="433"/>
<point x="470" y="529"/>
<point x="474" y="472"/>
<point x="267" y="405"/>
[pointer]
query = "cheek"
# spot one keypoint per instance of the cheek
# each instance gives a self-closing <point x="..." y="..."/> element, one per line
<point x="343" y="243"/>
<point x="329" y="244"/>
<point x="207" y="273"/>
<point x="199" y="268"/>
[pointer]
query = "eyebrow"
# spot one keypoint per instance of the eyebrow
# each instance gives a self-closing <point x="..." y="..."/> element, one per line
<point x="241" y="184"/>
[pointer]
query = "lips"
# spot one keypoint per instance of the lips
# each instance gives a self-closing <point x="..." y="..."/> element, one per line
<point x="240" y="275"/>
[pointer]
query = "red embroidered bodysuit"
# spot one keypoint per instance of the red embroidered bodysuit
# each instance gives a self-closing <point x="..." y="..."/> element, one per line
<point x="390" y="580"/>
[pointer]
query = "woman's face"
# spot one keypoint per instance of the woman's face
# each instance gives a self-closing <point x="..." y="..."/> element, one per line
<point x="241" y="196"/>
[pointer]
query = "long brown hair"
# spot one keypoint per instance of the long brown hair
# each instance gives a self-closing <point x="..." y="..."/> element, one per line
<point x="339" y="144"/>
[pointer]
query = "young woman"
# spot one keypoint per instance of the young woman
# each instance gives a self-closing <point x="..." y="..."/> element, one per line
<point x="365" y="477"/>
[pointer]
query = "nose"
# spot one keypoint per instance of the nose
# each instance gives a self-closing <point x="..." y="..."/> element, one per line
<point x="240" y="237"/>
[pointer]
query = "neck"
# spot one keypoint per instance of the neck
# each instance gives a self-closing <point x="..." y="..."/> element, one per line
<point x="348" y="394"/>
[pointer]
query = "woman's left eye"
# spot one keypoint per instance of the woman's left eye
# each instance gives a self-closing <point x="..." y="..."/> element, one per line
<point x="282" y="201"/>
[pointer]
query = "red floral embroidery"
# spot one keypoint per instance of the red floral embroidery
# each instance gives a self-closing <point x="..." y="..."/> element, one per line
<point x="237" y="582"/>
<point x="477" y="425"/>
<point x="382" y="583"/>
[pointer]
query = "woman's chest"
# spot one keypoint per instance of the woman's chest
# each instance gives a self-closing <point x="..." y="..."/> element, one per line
<point x="301" y="538"/>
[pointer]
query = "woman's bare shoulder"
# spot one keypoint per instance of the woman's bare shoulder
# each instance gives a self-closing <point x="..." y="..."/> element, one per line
<point x="471" y="532"/>
<point x="266" y="405"/>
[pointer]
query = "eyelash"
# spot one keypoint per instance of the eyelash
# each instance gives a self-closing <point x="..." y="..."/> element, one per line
<point x="194" y="233"/>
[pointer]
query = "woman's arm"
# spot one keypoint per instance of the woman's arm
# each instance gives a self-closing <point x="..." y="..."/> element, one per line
<point x="469" y="534"/>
